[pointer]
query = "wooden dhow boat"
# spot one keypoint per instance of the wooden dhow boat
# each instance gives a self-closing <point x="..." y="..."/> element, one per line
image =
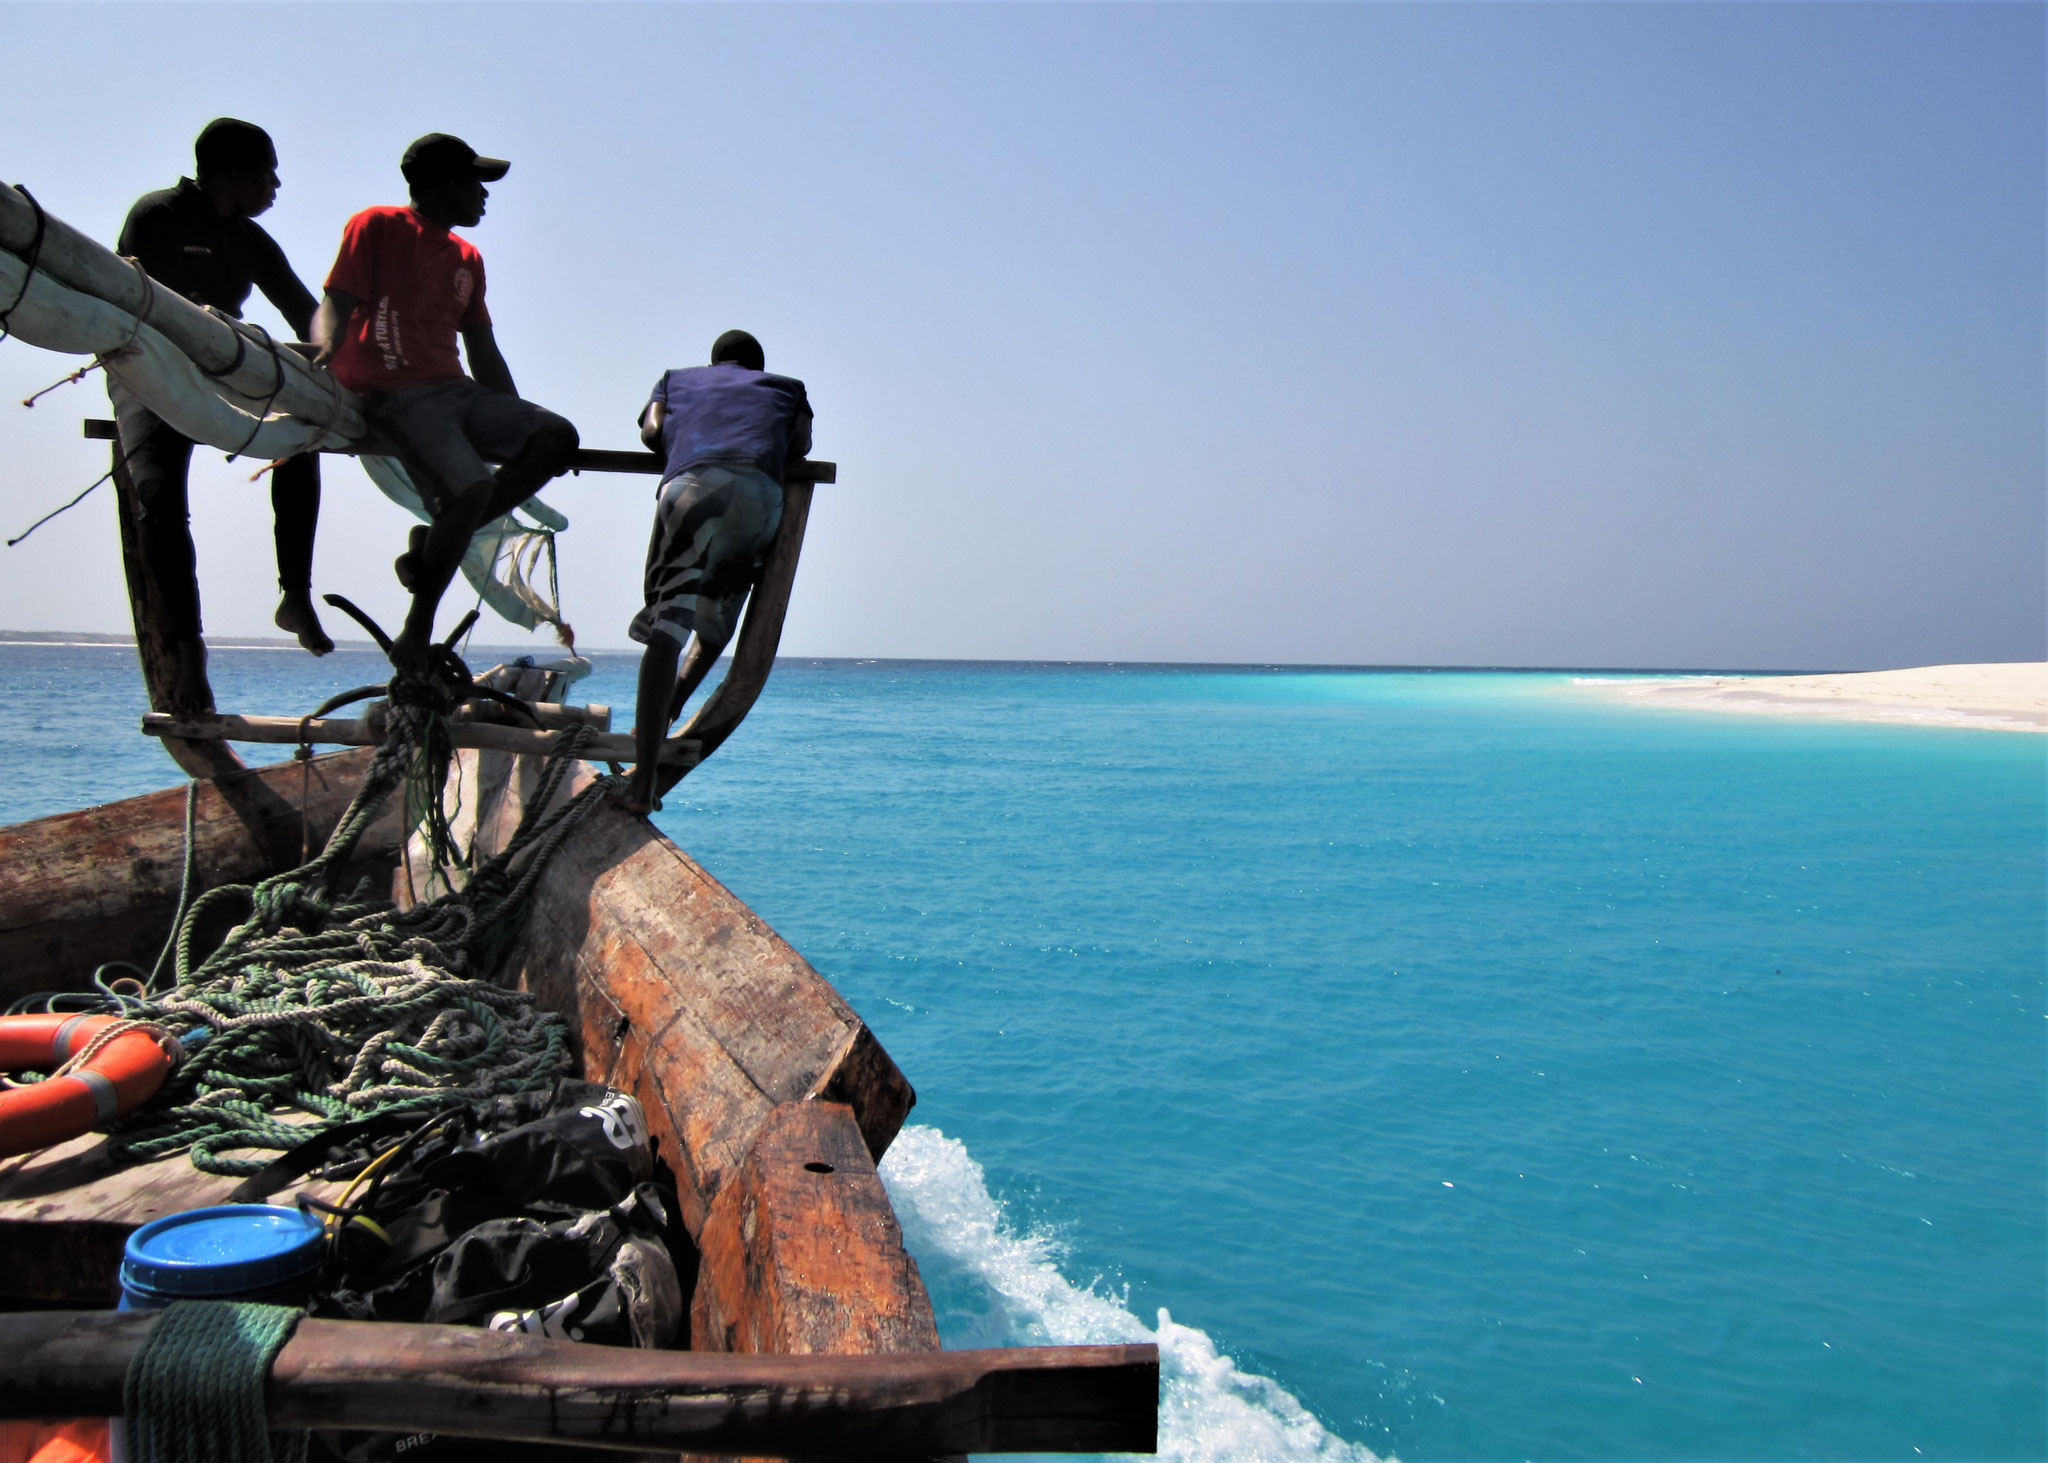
<point x="809" y="1332"/>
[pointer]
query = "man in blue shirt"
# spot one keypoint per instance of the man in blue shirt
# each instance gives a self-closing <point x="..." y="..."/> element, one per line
<point x="728" y="432"/>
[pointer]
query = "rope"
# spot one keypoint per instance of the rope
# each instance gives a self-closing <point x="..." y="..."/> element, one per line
<point x="194" y="1390"/>
<point x="165" y="1038"/>
<point x="346" y="1008"/>
<point x="119" y="463"/>
<point x="141" y="311"/>
<point x="100" y="360"/>
<point x="65" y="509"/>
<point x="241" y="346"/>
<point x="34" y="256"/>
<point x="185" y="877"/>
<point x="72" y="380"/>
<point x="277" y="365"/>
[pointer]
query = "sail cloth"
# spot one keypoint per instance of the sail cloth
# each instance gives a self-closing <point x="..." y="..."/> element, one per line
<point x="502" y="559"/>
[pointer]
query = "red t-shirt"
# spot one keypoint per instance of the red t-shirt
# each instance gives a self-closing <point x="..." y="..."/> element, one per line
<point x="419" y="285"/>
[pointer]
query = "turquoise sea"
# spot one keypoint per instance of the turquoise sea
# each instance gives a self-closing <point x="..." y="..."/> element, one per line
<point x="1445" y="1065"/>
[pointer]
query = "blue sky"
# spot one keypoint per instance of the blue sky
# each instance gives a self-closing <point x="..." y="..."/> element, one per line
<point x="1659" y="335"/>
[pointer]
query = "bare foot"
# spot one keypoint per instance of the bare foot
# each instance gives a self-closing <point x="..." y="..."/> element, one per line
<point x="407" y="563"/>
<point x="296" y="616"/>
<point x="637" y="796"/>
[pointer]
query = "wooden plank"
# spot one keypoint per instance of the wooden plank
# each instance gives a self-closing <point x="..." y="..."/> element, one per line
<point x="585" y="459"/>
<point x="78" y="889"/>
<point x="802" y="1252"/>
<point x="470" y="1382"/>
<point x="364" y="732"/>
<point x="681" y="994"/>
<point x="599" y="459"/>
<point x="66" y="1212"/>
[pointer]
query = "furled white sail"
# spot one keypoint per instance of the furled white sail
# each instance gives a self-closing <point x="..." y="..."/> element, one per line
<point x="256" y="399"/>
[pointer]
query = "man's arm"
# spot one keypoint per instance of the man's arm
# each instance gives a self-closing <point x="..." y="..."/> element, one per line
<point x="486" y="363"/>
<point x="799" y="442"/>
<point x="650" y="425"/>
<point x="282" y="286"/>
<point x="330" y="323"/>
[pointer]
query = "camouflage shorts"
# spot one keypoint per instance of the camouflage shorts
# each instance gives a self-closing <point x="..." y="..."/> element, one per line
<point x="713" y="525"/>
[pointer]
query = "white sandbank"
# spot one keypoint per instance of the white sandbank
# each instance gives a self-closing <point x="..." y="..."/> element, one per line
<point x="2006" y="697"/>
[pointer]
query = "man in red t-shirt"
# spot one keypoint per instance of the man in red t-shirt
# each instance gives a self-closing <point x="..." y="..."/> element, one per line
<point x="402" y="289"/>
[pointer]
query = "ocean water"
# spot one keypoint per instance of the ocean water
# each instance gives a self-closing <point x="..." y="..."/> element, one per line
<point x="1437" y="1065"/>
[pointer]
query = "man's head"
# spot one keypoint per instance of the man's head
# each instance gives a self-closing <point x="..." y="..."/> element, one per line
<point x="237" y="166"/>
<point x="447" y="178"/>
<point x="740" y="348"/>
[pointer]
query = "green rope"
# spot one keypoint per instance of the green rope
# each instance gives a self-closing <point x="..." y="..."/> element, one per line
<point x="194" y="1390"/>
<point x="348" y="1008"/>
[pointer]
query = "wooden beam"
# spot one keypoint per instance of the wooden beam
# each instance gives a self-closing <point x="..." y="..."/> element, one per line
<point x="802" y="1252"/>
<point x="678" y="992"/>
<point x="599" y="459"/>
<point x="586" y="459"/>
<point x="368" y="732"/>
<point x="469" y="1382"/>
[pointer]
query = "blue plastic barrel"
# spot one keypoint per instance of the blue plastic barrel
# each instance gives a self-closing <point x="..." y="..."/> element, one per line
<point x="255" y="1252"/>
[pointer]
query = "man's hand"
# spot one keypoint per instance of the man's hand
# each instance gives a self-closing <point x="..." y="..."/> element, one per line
<point x="330" y="324"/>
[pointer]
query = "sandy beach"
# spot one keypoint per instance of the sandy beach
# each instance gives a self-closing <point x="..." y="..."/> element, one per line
<point x="2000" y="697"/>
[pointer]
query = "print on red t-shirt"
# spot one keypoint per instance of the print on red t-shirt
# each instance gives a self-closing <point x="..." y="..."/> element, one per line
<point x="420" y="286"/>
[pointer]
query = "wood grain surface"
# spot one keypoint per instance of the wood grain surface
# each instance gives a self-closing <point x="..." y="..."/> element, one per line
<point x="478" y="1383"/>
<point x="78" y="889"/>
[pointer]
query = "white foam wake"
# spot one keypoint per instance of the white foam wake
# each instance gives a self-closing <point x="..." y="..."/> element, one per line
<point x="996" y="1286"/>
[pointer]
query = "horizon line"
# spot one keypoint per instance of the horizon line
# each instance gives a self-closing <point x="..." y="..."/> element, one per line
<point x="88" y="639"/>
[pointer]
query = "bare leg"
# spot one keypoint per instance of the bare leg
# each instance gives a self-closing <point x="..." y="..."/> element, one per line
<point x="544" y="457"/>
<point x="650" y="723"/>
<point x="696" y="666"/>
<point x="433" y="562"/>
<point x="295" y="508"/>
<point x="406" y="564"/>
<point x="427" y="566"/>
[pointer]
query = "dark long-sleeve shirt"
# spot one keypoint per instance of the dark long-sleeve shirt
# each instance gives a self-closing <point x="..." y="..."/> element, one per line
<point x="187" y="246"/>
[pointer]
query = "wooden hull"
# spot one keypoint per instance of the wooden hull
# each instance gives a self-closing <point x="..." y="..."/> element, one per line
<point x="771" y="1099"/>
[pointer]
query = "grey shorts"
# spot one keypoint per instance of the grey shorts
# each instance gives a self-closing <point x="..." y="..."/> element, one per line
<point x="444" y="432"/>
<point x="713" y="525"/>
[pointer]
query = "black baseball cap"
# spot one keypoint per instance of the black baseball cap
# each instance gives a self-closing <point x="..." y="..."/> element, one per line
<point x="438" y="155"/>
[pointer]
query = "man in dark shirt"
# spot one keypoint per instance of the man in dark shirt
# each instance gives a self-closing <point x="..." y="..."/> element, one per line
<point x="729" y="431"/>
<point x="201" y="240"/>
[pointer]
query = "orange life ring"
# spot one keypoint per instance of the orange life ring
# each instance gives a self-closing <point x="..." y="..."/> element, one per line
<point x="122" y="1075"/>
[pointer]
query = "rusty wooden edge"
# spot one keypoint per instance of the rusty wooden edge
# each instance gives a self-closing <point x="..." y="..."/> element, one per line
<point x="473" y="1382"/>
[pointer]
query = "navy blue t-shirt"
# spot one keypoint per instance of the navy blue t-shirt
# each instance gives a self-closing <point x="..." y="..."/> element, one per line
<point x="726" y="413"/>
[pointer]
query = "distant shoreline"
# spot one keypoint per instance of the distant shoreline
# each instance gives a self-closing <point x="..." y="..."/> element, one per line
<point x="2009" y="696"/>
<point x="1717" y="687"/>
